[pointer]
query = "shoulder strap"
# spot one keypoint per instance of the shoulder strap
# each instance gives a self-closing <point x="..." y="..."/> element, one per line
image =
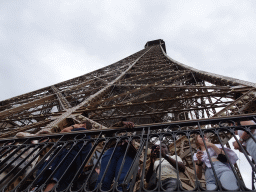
<point x="159" y="164"/>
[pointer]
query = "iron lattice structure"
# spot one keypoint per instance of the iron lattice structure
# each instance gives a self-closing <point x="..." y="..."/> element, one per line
<point x="166" y="100"/>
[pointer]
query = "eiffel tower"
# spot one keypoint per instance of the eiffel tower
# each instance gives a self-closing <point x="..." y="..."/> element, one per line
<point x="147" y="88"/>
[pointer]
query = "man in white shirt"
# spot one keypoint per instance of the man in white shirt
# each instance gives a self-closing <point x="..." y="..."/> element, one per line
<point x="168" y="167"/>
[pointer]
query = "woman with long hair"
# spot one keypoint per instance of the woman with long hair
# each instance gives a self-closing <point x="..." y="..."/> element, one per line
<point x="220" y="164"/>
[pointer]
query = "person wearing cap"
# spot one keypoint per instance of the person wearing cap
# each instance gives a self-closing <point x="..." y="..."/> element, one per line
<point x="168" y="167"/>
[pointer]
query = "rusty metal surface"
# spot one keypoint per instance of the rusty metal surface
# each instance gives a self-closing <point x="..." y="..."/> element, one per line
<point x="147" y="87"/>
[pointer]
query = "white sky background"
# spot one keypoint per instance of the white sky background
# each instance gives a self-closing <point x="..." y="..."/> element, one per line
<point x="46" y="42"/>
<point x="243" y="165"/>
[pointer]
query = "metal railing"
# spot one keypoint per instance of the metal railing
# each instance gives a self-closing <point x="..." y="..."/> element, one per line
<point x="70" y="161"/>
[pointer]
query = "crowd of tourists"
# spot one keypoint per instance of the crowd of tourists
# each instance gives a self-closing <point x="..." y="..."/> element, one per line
<point x="214" y="162"/>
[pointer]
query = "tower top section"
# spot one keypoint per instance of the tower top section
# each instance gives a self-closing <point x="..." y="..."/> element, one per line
<point x="156" y="42"/>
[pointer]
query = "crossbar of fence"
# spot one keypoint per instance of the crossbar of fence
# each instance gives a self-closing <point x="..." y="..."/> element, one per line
<point x="121" y="159"/>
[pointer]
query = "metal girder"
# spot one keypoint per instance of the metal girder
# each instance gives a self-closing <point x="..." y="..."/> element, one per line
<point x="145" y="87"/>
<point x="25" y="106"/>
<point x="63" y="101"/>
<point x="25" y="128"/>
<point x="92" y="97"/>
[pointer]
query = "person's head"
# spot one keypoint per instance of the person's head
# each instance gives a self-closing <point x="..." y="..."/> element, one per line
<point x="199" y="141"/>
<point x="163" y="147"/>
<point x="87" y="125"/>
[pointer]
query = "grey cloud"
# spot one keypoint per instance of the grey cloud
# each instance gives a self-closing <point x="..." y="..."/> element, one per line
<point x="46" y="42"/>
<point x="38" y="36"/>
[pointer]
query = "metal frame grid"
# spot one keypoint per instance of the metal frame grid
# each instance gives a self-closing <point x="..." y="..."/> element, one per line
<point x="49" y="147"/>
<point x="147" y="87"/>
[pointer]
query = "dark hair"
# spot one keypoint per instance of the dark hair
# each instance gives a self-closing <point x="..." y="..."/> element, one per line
<point x="155" y="146"/>
<point x="196" y="142"/>
<point x="88" y="124"/>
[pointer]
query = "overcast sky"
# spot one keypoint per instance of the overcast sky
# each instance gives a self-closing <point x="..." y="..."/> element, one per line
<point x="46" y="42"/>
<point x="49" y="41"/>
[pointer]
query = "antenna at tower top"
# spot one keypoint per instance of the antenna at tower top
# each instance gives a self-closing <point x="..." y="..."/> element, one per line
<point x="156" y="42"/>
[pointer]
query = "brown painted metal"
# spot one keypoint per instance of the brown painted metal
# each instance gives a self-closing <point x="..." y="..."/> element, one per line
<point x="146" y="87"/>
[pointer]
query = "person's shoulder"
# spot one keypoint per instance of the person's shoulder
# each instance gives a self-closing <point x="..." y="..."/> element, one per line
<point x="178" y="157"/>
<point x="157" y="160"/>
<point x="173" y="156"/>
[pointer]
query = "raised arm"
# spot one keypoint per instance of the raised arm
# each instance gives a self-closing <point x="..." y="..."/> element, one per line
<point x="151" y="166"/>
<point x="199" y="164"/>
<point x="173" y="161"/>
<point x="215" y="148"/>
<point x="245" y="136"/>
<point x="68" y="129"/>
